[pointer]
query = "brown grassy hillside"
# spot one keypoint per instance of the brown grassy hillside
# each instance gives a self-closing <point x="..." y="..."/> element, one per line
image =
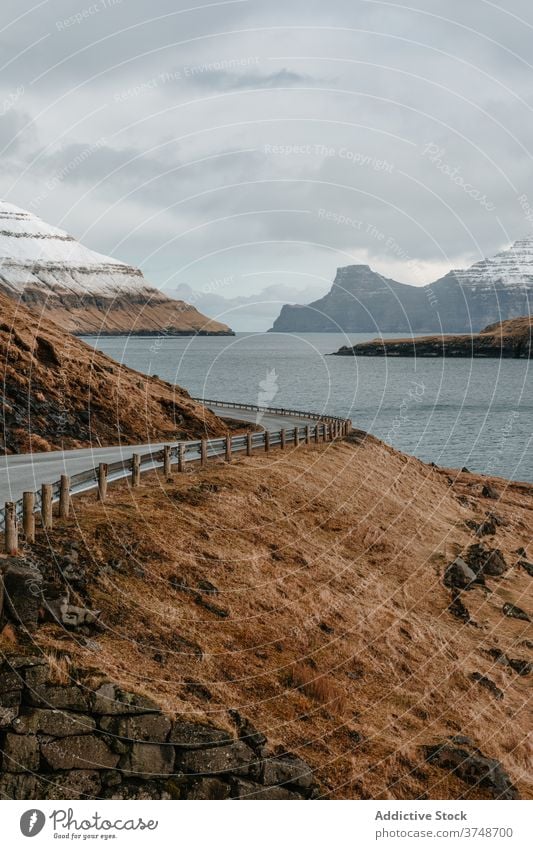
<point x="58" y="392"/>
<point x="305" y="589"/>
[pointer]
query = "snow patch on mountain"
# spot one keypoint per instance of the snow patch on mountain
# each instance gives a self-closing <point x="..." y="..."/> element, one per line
<point x="37" y="255"/>
<point x="513" y="268"/>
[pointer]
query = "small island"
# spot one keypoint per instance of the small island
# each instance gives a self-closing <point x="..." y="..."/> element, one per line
<point x="509" y="339"/>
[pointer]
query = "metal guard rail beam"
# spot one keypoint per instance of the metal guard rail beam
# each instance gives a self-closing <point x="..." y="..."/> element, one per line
<point x="120" y="469"/>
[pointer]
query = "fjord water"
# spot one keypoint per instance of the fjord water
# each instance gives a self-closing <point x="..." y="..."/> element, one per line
<point x="462" y="412"/>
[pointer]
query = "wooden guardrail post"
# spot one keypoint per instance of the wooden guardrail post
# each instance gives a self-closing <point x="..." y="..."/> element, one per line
<point x="267" y="441"/>
<point x="316" y="432"/>
<point x="28" y="516"/>
<point x="228" y="449"/>
<point x="64" y="497"/>
<point x="11" y="529"/>
<point x="203" y="452"/>
<point x="46" y="506"/>
<point x="167" y="464"/>
<point x="181" y="457"/>
<point x="282" y="439"/>
<point x="296" y="436"/>
<point x="135" y="470"/>
<point x="324" y="432"/>
<point x="307" y="434"/>
<point x="102" y="481"/>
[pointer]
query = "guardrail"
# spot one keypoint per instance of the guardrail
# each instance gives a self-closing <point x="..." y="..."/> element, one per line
<point x="197" y="450"/>
<point x="278" y="411"/>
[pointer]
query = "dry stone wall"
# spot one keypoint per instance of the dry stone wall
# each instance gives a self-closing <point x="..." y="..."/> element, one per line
<point x="63" y="741"/>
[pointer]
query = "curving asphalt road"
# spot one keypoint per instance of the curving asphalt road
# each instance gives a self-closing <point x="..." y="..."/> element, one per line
<point x="20" y="472"/>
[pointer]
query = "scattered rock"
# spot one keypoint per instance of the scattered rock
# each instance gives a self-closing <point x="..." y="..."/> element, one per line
<point x="485" y="561"/>
<point x="22" y="591"/>
<point x="459" y="575"/>
<point x="212" y="608"/>
<point x="474" y="768"/>
<point x="526" y="566"/>
<point x="489" y="685"/>
<point x="489" y="491"/>
<point x="515" y="612"/>
<point x="207" y="587"/>
<point x="198" y="690"/>
<point x="521" y="667"/>
<point x="458" y="609"/>
<point x="69" y="615"/>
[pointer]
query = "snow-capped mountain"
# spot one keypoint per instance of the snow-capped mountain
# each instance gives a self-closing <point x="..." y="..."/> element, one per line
<point x="463" y="301"/>
<point x="86" y="292"/>
<point x="512" y="268"/>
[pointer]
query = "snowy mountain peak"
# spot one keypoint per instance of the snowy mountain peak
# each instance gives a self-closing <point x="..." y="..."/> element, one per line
<point x="512" y="267"/>
<point x="36" y="254"/>
<point x="84" y="291"/>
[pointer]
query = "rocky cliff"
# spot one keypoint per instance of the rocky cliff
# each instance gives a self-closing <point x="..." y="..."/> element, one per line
<point x="83" y="291"/>
<point x="58" y="392"/>
<point x="510" y="339"/>
<point x="464" y="301"/>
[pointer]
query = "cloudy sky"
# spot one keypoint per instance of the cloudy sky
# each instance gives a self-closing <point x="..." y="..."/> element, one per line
<point x="246" y="144"/>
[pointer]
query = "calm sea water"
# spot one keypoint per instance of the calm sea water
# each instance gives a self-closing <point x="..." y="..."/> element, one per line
<point x="474" y="413"/>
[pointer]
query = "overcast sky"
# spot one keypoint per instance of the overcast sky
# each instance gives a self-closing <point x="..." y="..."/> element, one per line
<point x="245" y="144"/>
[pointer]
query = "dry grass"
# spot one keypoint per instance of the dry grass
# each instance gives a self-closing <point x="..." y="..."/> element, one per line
<point x="59" y="392"/>
<point x="327" y="621"/>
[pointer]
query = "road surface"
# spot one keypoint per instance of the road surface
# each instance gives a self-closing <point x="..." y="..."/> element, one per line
<point x="21" y="472"/>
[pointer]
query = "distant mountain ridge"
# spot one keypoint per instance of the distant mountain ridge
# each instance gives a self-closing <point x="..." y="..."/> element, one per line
<point x="83" y="291"/>
<point x="463" y="301"/>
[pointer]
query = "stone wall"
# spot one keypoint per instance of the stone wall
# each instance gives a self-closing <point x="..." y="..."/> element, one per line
<point x="64" y="741"/>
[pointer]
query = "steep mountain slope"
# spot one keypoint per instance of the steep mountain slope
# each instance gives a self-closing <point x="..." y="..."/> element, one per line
<point x="84" y="291"/>
<point x="58" y="392"/>
<point x="464" y="301"/>
<point x="359" y="301"/>
<point x="309" y="591"/>
<point x="511" y="339"/>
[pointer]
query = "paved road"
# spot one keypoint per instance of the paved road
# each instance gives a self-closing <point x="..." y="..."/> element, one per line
<point x="20" y="472"/>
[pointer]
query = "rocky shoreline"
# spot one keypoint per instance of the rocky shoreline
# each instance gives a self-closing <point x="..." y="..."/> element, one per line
<point x="507" y="340"/>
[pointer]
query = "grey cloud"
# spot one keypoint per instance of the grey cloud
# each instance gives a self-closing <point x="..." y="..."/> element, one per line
<point x="379" y="81"/>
